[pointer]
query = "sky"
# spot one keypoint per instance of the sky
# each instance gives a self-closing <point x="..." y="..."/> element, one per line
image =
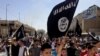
<point x="35" y="12"/>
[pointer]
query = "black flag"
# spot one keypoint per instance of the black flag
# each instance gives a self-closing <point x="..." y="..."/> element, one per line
<point x="74" y="29"/>
<point x="78" y="30"/>
<point x="20" y="33"/>
<point x="60" y="18"/>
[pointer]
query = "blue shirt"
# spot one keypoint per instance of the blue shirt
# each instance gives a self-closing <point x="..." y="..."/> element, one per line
<point x="54" y="53"/>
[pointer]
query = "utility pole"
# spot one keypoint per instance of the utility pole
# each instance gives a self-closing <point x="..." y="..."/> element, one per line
<point x="7" y="20"/>
<point x="19" y="16"/>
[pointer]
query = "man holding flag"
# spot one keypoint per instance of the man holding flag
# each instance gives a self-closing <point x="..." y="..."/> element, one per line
<point x="13" y="48"/>
<point x="60" y="21"/>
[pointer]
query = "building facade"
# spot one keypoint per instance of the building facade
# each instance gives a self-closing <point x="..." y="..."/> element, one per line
<point x="90" y="20"/>
<point x="5" y="25"/>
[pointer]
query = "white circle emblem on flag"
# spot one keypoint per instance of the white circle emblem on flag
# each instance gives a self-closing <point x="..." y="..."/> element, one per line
<point x="63" y="24"/>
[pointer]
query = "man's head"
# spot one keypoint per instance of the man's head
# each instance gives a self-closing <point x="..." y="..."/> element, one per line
<point x="64" y="52"/>
<point x="46" y="49"/>
<point x="21" y="42"/>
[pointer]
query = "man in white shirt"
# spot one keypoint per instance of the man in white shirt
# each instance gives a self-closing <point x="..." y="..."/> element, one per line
<point x="22" y="49"/>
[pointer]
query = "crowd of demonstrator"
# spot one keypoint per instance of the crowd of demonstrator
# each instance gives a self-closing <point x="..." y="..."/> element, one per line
<point x="63" y="46"/>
